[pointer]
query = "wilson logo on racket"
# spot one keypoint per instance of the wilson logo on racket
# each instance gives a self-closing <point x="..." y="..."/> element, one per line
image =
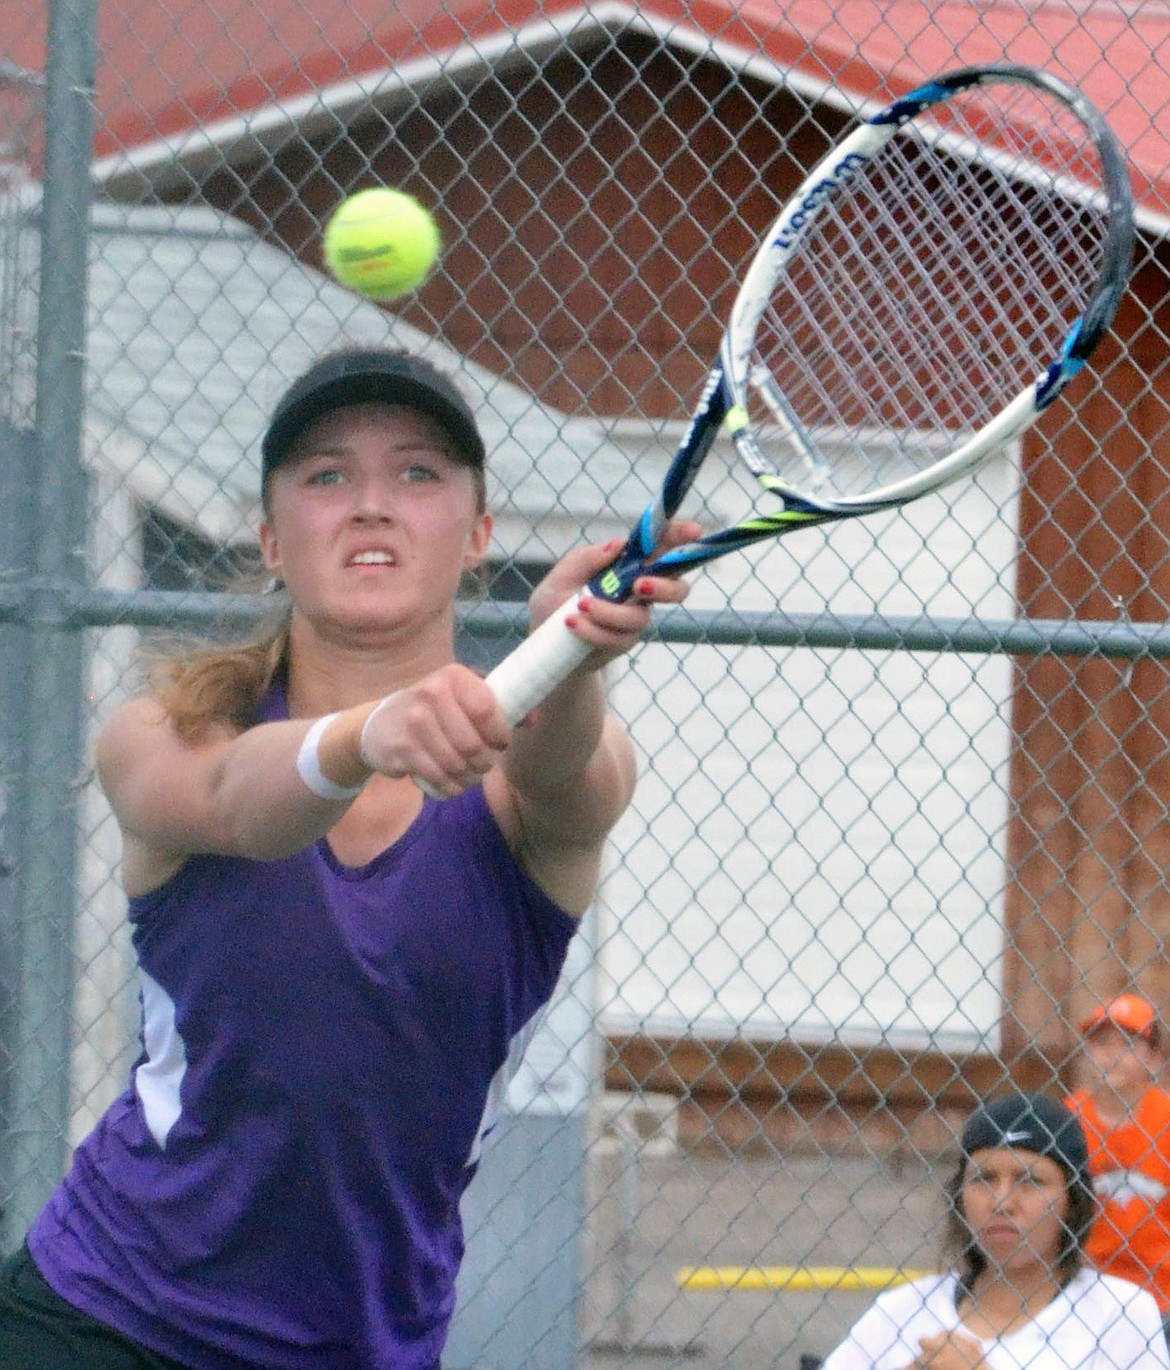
<point x="845" y="172"/>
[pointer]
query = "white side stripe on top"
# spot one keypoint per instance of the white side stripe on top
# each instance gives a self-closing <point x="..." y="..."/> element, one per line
<point x="160" y="1077"/>
<point x="498" y="1088"/>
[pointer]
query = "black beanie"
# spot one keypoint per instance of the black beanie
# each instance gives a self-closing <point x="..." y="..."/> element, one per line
<point x="1032" y="1121"/>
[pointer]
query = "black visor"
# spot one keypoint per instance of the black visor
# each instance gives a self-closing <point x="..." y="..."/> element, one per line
<point x="364" y="377"/>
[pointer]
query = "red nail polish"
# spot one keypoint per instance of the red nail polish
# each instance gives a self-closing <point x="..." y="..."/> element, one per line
<point x="583" y="605"/>
<point x="571" y="621"/>
<point x="645" y="587"/>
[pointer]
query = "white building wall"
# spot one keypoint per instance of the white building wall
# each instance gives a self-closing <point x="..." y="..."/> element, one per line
<point x="816" y="844"/>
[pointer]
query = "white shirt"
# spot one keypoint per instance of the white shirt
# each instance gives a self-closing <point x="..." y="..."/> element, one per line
<point x="1097" y="1322"/>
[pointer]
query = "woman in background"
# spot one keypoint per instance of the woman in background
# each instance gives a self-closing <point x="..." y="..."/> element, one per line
<point x="1018" y="1294"/>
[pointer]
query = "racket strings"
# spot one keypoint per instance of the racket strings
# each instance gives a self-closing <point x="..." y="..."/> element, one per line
<point x="929" y="293"/>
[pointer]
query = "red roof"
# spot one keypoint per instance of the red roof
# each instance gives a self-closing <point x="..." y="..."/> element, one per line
<point x="165" y="70"/>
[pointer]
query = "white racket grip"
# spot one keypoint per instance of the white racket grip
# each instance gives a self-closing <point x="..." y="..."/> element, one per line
<point x="529" y="674"/>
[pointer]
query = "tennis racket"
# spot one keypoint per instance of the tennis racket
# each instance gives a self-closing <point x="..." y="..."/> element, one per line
<point x="932" y="286"/>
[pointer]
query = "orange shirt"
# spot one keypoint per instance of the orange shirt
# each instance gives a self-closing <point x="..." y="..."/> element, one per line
<point x="1130" y="1165"/>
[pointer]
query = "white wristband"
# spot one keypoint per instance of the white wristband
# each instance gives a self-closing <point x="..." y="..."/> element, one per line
<point x="309" y="766"/>
<point x="374" y="712"/>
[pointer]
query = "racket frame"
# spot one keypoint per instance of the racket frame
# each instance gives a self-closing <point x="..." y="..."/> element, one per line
<point x="553" y="651"/>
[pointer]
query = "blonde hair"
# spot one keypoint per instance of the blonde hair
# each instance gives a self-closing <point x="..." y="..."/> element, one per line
<point x="203" y="686"/>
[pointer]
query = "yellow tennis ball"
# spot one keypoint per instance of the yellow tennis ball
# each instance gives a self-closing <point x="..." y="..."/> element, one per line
<point x="381" y="243"/>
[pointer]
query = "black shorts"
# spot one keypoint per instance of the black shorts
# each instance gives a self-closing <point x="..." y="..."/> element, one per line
<point x="38" y="1328"/>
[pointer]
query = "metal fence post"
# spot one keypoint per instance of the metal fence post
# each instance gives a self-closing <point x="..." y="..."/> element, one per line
<point x="17" y="473"/>
<point x="45" y="793"/>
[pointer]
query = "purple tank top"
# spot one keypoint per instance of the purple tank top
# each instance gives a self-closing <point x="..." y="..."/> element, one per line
<point x="324" y="1047"/>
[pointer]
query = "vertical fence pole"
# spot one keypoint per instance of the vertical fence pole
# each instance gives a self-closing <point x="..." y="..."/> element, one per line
<point x="18" y="457"/>
<point x="46" y="789"/>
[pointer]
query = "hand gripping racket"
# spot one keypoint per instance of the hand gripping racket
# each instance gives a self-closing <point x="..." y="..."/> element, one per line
<point x="932" y="286"/>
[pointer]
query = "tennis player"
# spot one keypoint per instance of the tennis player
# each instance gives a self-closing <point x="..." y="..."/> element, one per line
<point x="337" y="970"/>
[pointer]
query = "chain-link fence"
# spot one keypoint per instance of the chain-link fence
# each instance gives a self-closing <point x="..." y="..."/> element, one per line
<point x="902" y="820"/>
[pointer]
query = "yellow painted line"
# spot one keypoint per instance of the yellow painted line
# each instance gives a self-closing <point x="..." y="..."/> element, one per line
<point x="772" y="1277"/>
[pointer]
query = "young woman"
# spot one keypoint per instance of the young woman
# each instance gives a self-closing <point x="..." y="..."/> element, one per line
<point x="1017" y="1295"/>
<point x="337" y="970"/>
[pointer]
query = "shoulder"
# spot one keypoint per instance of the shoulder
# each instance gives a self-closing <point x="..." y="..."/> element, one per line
<point x="1123" y="1291"/>
<point x="557" y="844"/>
<point x="903" y="1301"/>
<point x="142" y="726"/>
<point x="925" y="1288"/>
<point x="140" y="722"/>
<point x="140" y="711"/>
<point x="1112" y="1293"/>
<point x="888" y="1331"/>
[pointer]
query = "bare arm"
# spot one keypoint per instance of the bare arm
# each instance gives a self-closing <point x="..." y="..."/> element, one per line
<point x="570" y="771"/>
<point x="556" y="785"/>
<point x="242" y="794"/>
<point x="232" y="793"/>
